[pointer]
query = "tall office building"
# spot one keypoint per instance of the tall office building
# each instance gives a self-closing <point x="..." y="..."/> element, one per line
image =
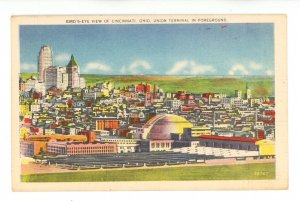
<point x="238" y="94"/>
<point x="56" y="76"/>
<point x="45" y="60"/>
<point x="50" y="77"/>
<point x="248" y="94"/>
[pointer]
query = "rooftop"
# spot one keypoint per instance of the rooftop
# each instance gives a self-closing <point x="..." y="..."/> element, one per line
<point x="72" y="62"/>
<point x="240" y="139"/>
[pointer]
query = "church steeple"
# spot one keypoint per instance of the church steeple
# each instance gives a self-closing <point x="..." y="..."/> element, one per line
<point x="72" y="62"/>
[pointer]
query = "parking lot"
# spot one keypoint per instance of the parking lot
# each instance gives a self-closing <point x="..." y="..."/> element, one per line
<point x="127" y="160"/>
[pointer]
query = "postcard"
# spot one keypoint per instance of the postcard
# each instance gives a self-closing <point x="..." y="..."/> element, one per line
<point x="149" y="102"/>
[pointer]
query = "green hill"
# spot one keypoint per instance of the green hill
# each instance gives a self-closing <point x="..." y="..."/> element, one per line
<point x="260" y="86"/>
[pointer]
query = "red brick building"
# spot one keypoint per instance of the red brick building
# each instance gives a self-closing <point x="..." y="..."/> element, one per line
<point x="261" y="134"/>
<point x="107" y="124"/>
<point x="207" y="95"/>
<point x="144" y="88"/>
<point x="90" y="135"/>
<point x="180" y="95"/>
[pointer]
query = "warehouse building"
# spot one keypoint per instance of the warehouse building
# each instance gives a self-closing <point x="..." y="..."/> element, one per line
<point x="265" y="147"/>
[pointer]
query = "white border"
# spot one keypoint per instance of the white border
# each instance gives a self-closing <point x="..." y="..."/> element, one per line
<point x="92" y="7"/>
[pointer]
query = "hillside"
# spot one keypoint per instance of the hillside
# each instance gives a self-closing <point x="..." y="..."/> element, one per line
<point x="260" y="86"/>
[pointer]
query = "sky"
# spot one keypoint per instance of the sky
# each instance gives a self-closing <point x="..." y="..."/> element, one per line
<point x="154" y="49"/>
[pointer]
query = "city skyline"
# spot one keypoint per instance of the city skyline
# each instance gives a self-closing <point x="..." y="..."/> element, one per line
<point x="231" y="49"/>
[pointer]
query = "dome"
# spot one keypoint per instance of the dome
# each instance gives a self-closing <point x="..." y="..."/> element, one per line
<point x="161" y="127"/>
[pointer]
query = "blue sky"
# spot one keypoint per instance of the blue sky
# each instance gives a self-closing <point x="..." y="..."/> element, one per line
<point x="164" y="49"/>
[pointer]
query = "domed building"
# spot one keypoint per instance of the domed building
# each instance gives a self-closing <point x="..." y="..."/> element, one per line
<point x="162" y="126"/>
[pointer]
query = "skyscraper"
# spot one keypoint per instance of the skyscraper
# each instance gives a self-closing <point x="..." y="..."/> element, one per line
<point x="248" y="94"/>
<point x="45" y="60"/>
<point x="238" y="94"/>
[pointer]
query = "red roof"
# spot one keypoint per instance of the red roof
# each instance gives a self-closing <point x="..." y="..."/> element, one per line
<point x="269" y="113"/>
<point x="240" y="139"/>
<point x="27" y="120"/>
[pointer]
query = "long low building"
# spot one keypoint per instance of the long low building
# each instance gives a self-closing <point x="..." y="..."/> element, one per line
<point x="265" y="147"/>
<point x="124" y="145"/>
<point x="228" y="142"/>
<point x="65" y="148"/>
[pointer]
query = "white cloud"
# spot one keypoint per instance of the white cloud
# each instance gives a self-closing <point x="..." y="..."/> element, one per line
<point x="269" y="72"/>
<point x="255" y="66"/>
<point x="238" y="69"/>
<point x="178" y="67"/>
<point x="96" y="66"/>
<point x="136" y="67"/>
<point x="62" y="58"/>
<point x="28" y="67"/>
<point x="189" y="67"/>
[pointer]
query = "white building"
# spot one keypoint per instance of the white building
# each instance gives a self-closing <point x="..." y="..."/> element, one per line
<point x="238" y="103"/>
<point x="254" y="101"/>
<point x="62" y="78"/>
<point x="33" y="83"/>
<point x="56" y="76"/>
<point x="102" y="133"/>
<point x="248" y="92"/>
<point x="124" y="145"/>
<point x="227" y="101"/>
<point x="238" y="94"/>
<point x="35" y="107"/>
<point x="82" y="83"/>
<point x="234" y="102"/>
<point x="40" y="87"/>
<point x="30" y="84"/>
<point x="173" y="104"/>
